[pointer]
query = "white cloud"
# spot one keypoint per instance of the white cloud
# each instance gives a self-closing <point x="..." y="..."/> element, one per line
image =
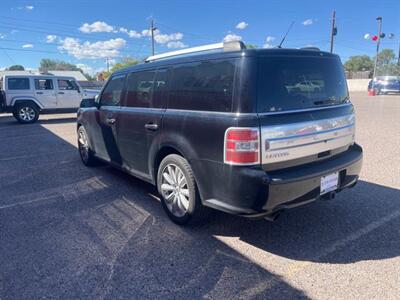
<point x="98" y="26"/>
<point x="51" y="38"/>
<point x="307" y="22"/>
<point x="163" y="38"/>
<point x="27" y="46"/>
<point x="86" y="69"/>
<point x="27" y="7"/>
<point x="176" y="44"/>
<point x="242" y="25"/>
<point x="88" y="50"/>
<point x="2" y="36"/>
<point x="130" y="33"/>
<point x="269" y="39"/>
<point x="232" y="37"/>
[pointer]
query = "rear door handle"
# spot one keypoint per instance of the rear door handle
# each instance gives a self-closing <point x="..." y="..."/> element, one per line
<point x="39" y="93"/>
<point x="61" y="93"/>
<point x="110" y="121"/>
<point x="151" y="126"/>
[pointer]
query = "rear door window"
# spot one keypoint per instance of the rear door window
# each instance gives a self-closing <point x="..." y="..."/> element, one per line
<point x="111" y="95"/>
<point x="139" y="89"/>
<point x="67" y="85"/>
<point x="44" y="84"/>
<point x="296" y="82"/>
<point x="161" y="88"/>
<point x="18" y="84"/>
<point x="204" y="86"/>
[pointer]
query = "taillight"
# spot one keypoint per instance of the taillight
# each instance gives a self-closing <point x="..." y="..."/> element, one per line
<point x="242" y="146"/>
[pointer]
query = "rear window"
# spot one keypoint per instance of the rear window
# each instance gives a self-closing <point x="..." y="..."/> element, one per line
<point x="288" y="83"/>
<point x="205" y="86"/>
<point x="18" y="84"/>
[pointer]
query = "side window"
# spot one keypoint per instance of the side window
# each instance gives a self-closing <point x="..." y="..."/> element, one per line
<point x="111" y="95"/>
<point x="18" y="84"/>
<point x="161" y="88"/>
<point x="64" y="84"/>
<point x="44" y="84"/>
<point x="206" y="86"/>
<point x="139" y="89"/>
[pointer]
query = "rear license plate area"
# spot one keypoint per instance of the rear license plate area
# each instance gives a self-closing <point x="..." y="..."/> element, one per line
<point x="329" y="183"/>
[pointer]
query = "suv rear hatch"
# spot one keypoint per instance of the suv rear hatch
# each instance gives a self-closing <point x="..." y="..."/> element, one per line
<point x="303" y="107"/>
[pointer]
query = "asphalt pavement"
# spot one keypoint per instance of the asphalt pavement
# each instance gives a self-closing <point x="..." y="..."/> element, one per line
<point x="69" y="232"/>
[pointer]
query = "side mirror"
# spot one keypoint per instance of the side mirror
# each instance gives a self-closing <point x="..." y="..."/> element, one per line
<point x="85" y="103"/>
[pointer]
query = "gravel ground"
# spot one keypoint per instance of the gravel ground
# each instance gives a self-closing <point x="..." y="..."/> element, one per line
<point x="67" y="231"/>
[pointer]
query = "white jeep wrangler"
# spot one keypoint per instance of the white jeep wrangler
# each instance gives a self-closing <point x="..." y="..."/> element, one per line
<point x="27" y="96"/>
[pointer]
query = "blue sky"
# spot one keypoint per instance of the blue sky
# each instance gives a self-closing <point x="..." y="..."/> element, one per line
<point x="85" y="32"/>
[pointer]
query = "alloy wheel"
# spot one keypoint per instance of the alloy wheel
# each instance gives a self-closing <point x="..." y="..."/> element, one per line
<point x="83" y="144"/>
<point x="175" y="190"/>
<point x="27" y="113"/>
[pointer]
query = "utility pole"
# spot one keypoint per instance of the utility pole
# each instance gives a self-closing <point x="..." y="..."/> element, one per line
<point x="379" y="19"/>
<point x="334" y="29"/>
<point x="398" y="57"/>
<point x="108" y="65"/>
<point x="152" y="29"/>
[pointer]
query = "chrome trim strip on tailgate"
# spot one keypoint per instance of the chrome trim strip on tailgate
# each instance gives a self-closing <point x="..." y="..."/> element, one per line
<point x="296" y="140"/>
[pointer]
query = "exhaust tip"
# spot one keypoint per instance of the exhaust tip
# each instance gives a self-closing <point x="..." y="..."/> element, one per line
<point x="274" y="216"/>
<point x="329" y="196"/>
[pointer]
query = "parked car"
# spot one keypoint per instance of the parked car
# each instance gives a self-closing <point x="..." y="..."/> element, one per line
<point x="385" y="84"/>
<point x="221" y="129"/>
<point x="307" y="86"/>
<point x="28" y="96"/>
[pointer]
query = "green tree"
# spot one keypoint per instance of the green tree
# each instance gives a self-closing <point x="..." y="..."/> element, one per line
<point x="251" y="46"/>
<point x="125" y="62"/>
<point x="16" y="68"/>
<point x="359" y="63"/>
<point x="387" y="63"/>
<point x="57" y="65"/>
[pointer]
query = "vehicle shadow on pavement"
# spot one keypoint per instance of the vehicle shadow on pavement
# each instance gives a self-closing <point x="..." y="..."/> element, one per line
<point x="8" y="120"/>
<point x="360" y="224"/>
<point x="68" y="231"/>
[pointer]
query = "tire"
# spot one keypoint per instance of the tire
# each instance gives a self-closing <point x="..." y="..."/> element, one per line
<point x="26" y="113"/>
<point x="172" y="188"/>
<point x="86" y="154"/>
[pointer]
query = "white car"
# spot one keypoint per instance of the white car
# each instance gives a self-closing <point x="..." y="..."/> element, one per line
<point x="28" y="96"/>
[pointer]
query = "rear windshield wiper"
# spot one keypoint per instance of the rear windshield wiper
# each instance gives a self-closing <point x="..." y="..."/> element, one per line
<point x="331" y="101"/>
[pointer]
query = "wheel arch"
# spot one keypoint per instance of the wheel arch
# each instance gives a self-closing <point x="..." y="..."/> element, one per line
<point x="163" y="152"/>
<point x="18" y="101"/>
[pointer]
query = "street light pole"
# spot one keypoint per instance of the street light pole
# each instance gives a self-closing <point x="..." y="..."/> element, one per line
<point x="398" y="57"/>
<point x="379" y="19"/>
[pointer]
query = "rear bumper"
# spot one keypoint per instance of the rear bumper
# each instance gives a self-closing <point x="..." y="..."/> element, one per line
<point x="252" y="192"/>
<point x="389" y="90"/>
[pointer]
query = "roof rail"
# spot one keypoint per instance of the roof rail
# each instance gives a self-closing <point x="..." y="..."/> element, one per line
<point x="225" y="46"/>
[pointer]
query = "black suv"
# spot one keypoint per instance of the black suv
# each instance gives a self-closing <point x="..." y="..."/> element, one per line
<point x="249" y="132"/>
